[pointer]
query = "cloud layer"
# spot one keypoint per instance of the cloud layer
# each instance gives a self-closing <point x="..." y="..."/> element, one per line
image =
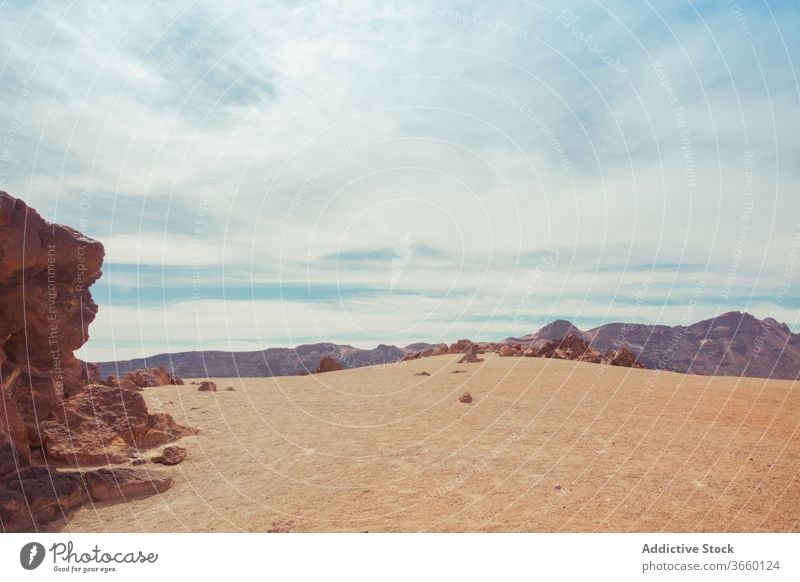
<point x="373" y="173"/>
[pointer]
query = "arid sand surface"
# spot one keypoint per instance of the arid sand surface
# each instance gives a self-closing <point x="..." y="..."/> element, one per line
<point x="546" y="446"/>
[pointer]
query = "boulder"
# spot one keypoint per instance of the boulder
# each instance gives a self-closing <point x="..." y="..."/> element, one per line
<point x="470" y="354"/>
<point x="152" y="377"/>
<point x="466" y="398"/>
<point x="207" y="386"/>
<point x="509" y="350"/>
<point x="622" y="357"/>
<point x="328" y="364"/>
<point x="460" y="347"/>
<point x="106" y="425"/>
<point x="171" y="455"/>
<point x="41" y="327"/>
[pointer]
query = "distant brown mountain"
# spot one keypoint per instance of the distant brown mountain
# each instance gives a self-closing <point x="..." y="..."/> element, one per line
<point x="558" y="329"/>
<point x="255" y="364"/>
<point x="731" y="344"/>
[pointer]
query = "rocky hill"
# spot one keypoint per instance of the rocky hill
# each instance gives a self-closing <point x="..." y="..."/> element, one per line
<point x="731" y="344"/>
<point x="256" y="364"/>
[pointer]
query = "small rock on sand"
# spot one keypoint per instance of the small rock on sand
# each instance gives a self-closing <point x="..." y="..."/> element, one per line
<point x="171" y="455"/>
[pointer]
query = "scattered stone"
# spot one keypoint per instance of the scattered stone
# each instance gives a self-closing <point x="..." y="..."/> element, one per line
<point x="281" y="526"/>
<point x="458" y="372"/>
<point x="207" y="386"/>
<point x="466" y="398"/>
<point x="230" y="389"/>
<point x="422" y="374"/>
<point x="171" y="455"/>
<point x="558" y="487"/>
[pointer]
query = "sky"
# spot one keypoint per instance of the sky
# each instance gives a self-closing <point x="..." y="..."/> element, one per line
<point x="390" y="172"/>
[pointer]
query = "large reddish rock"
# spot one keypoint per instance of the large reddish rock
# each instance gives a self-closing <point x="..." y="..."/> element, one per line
<point x="509" y="350"/>
<point x="470" y="354"/>
<point x="51" y="400"/>
<point x="621" y="357"/>
<point x="328" y="364"/>
<point x="460" y="347"/>
<point x="45" y="311"/>
<point x="104" y="425"/>
<point x="150" y="377"/>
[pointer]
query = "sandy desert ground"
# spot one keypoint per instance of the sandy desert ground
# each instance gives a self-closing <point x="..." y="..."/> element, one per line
<point x="546" y="446"/>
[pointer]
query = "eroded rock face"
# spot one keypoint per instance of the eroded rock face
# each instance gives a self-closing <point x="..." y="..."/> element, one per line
<point x="48" y="398"/>
<point x="104" y="425"/>
<point x="41" y="327"/>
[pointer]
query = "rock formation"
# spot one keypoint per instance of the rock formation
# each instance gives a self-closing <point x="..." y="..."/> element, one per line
<point x="52" y="405"/>
<point x="103" y="425"/>
<point x="328" y="364"/>
<point x="144" y="378"/>
<point x="41" y="327"/>
<point x="470" y="354"/>
<point x="510" y="351"/>
<point x="730" y="344"/>
<point x="207" y="386"/>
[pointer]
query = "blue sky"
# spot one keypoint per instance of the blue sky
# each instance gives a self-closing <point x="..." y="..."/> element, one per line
<point x="371" y="172"/>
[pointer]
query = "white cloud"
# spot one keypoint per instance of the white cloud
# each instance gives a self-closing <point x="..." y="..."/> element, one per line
<point x="486" y="132"/>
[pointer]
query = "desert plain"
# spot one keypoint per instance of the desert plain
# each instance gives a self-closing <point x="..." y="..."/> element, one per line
<point x="545" y="446"/>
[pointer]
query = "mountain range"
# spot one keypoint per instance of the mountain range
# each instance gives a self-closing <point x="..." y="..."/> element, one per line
<point x="731" y="344"/>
